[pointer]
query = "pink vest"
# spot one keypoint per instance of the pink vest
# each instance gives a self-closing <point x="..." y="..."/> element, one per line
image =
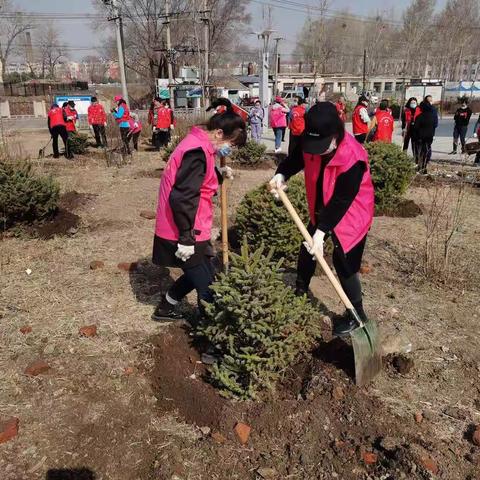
<point x="359" y="217"/>
<point x="165" y="227"/>
<point x="278" y="118"/>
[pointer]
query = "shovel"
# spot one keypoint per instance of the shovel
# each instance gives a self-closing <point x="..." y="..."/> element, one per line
<point x="41" y="152"/>
<point x="365" y="338"/>
<point x="224" y="217"/>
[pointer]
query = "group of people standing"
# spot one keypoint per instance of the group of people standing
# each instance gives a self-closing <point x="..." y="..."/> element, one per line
<point x="162" y="120"/>
<point x="62" y="123"/>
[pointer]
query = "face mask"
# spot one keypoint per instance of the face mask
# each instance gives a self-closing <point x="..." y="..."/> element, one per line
<point x="224" y="150"/>
<point x="464" y="106"/>
<point x="413" y="105"/>
<point x="331" y="148"/>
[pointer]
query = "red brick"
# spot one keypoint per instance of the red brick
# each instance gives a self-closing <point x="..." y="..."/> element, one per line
<point x="369" y="458"/>
<point x="243" y="432"/>
<point x="25" y="329"/>
<point x="476" y="436"/>
<point x="148" y="214"/>
<point x="419" y="417"/>
<point x="364" y="269"/>
<point x="37" y="367"/>
<point x="88" y="331"/>
<point x="218" y="437"/>
<point x="128" y="370"/>
<point x="338" y="394"/>
<point x="127" y="267"/>
<point x="428" y="463"/>
<point x="96" y="264"/>
<point x="8" y="429"/>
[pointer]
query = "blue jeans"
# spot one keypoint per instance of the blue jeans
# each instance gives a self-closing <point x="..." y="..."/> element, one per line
<point x="278" y="131"/>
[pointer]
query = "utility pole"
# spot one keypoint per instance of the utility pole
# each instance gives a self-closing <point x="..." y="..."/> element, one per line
<point x="277" y="65"/>
<point x="206" y="39"/>
<point x="364" y="69"/>
<point x="169" y="53"/>
<point x="264" y="91"/>
<point x="118" y="31"/>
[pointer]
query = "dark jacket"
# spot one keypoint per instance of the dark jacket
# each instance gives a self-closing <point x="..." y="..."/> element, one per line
<point x="426" y="122"/>
<point x="462" y="117"/>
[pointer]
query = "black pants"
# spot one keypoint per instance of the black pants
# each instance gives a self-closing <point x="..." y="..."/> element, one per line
<point x="361" y="138"/>
<point x="125" y="139"/>
<point x="423" y="153"/>
<point x="61" y="131"/>
<point x="134" y="138"/>
<point x="198" y="277"/>
<point x="284" y="129"/>
<point x="161" y="138"/>
<point x="406" y="140"/>
<point x="294" y="143"/>
<point x="347" y="266"/>
<point x="100" y="135"/>
<point x="477" y="158"/>
<point x="459" y="131"/>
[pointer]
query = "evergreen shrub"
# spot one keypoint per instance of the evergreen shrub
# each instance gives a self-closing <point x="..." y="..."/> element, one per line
<point x="257" y="323"/>
<point x="250" y="154"/>
<point x="24" y="196"/>
<point x="78" y="143"/>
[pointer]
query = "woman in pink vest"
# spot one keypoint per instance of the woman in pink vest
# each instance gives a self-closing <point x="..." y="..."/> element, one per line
<point x="278" y="121"/>
<point x="340" y="200"/>
<point x="185" y="207"/>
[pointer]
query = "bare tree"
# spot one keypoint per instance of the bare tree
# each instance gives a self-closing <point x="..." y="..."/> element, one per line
<point x="50" y="50"/>
<point x="12" y="26"/>
<point x="96" y="68"/>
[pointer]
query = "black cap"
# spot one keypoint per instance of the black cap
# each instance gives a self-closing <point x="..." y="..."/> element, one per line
<point x="322" y="124"/>
<point x="71" y="103"/>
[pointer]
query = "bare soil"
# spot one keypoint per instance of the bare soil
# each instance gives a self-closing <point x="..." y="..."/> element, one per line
<point x="129" y="403"/>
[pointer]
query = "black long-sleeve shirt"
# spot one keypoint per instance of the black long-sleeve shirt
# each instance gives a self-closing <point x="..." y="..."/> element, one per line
<point x="346" y="188"/>
<point x="462" y="116"/>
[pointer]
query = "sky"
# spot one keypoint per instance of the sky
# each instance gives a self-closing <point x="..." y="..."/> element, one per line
<point x="287" y="23"/>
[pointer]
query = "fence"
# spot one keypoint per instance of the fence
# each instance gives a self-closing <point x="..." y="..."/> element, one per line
<point x="41" y="89"/>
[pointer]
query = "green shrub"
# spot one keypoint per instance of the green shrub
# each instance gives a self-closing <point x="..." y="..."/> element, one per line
<point x="251" y="154"/>
<point x="257" y="324"/>
<point x="25" y="197"/>
<point x="262" y="219"/>
<point x="392" y="172"/>
<point x="168" y="150"/>
<point x="78" y="143"/>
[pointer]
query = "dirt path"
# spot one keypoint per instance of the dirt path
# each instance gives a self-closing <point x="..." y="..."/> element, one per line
<point x="100" y="406"/>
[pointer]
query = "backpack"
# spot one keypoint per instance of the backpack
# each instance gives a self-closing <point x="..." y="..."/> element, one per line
<point x="297" y="120"/>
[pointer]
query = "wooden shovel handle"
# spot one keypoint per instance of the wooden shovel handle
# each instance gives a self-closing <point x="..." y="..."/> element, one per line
<point x="308" y="238"/>
<point x="224" y="216"/>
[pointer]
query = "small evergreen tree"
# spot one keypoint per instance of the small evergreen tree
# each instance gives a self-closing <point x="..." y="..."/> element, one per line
<point x="250" y="154"/>
<point x="257" y="324"/>
<point x="77" y="143"/>
<point x="25" y="197"/>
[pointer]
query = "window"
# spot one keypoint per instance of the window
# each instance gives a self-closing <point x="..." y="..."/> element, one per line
<point x="377" y="87"/>
<point x="388" y="86"/>
<point x="329" y="86"/>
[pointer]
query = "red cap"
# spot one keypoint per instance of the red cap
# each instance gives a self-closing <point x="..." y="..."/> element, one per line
<point x="117" y="98"/>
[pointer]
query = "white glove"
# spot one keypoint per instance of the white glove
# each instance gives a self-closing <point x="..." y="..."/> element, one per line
<point x="91" y="127"/>
<point x="105" y="124"/>
<point x="278" y="183"/>
<point x="475" y="135"/>
<point x="184" y="252"/>
<point x="172" y="127"/>
<point x="317" y="246"/>
<point x="154" y="129"/>
<point x="226" y="172"/>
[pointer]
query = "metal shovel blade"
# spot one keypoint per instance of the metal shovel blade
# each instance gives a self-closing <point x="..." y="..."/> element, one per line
<point x="366" y="349"/>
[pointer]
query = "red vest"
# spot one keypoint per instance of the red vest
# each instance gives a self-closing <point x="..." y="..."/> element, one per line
<point x="126" y="114"/>
<point x="164" y="117"/>
<point x="359" y="217"/>
<point x="165" y="227"/>
<point x="385" y="125"/>
<point x="96" y="114"/>
<point x="297" y="119"/>
<point x="56" y="117"/>
<point x="408" y="115"/>
<point x="70" y="124"/>
<point x="359" y="127"/>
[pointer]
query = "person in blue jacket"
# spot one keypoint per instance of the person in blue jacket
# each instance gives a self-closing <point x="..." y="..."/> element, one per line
<point x="121" y="113"/>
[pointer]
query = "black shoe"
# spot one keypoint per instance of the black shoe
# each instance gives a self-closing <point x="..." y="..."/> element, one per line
<point x="166" y="312"/>
<point x="453" y="152"/>
<point x="56" y="156"/>
<point x="344" y="325"/>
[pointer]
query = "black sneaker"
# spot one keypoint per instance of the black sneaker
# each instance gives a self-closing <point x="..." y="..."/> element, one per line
<point x="166" y="312"/>
<point x="453" y="152"/>
<point x="344" y="325"/>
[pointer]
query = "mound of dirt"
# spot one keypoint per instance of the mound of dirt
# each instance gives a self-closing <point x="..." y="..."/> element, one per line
<point x="404" y="209"/>
<point x="63" y="223"/>
<point x="317" y="425"/>
<point x="73" y="200"/>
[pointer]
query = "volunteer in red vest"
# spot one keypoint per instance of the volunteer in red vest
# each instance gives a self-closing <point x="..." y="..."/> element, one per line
<point x="56" y="126"/>
<point x="296" y="123"/>
<point x="340" y="201"/>
<point x="163" y="124"/>
<point x="278" y="121"/>
<point x="135" y="129"/>
<point x="361" y="120"/>
<point x="97" y="119"/>
<point x="185" y="207"/>
<point x="342" y="108"/>
<point x="384" y="123"/>
<point x="121" y="113"/>
<point x="409" y="115"/>
<point x="71" y="116"/>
